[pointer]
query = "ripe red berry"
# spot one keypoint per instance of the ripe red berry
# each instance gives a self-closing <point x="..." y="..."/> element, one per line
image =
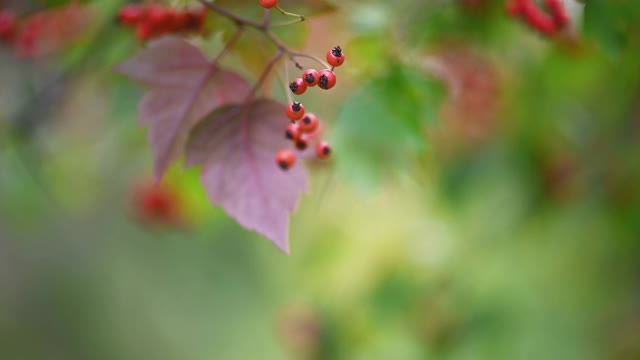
<point x="308" y="123"/>
<point x="302" y="142"/>
<point x="292" y="131"/>
<point x="311" y="77"/>
<point x="285" y="158"/>
<point x="323" y="150"/>
<point x="295" y="111"/>
<point x="327" y="79"/>
<point x="268" y="4"/>
<point x="335" y="57"/>
<point x="298" y="86"/>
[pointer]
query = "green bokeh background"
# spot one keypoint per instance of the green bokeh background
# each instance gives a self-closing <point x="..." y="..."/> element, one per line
<point x="524" y="245"/>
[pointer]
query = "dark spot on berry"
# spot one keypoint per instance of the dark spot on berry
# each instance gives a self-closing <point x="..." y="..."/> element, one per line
<point x="301" y="145"/>
<point x="288" y="134"/>
<point x="293" y="86"/>
<point x="306" y="120"/>
<point x="295" y="106"/>
<point x="324" y="81"/>
<point x="326" y="150"/>
<point x="310" y="78"/>
<point x="283" y="165"/>
<point x="337" y="51"/>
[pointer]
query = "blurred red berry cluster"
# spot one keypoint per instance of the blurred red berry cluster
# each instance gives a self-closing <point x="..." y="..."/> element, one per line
<point x="532" y="14"/>
<point x="43" y="32"/>
<point x="157" y="205"/>
<point x="155" y="20"/>
<point x="7" y="25"/>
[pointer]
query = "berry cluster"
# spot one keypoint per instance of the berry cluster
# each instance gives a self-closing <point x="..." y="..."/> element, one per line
<point x="530" y="12"/>
<point x="155" y="20"/>
<point x="43" y="32"/>
<point x="305" y="127"/>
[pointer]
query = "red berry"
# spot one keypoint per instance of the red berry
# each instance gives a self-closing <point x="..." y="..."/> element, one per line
<point x="295" y="111"/>
<point x="132" y="14"/>
<point x="285" y="158"/>
<point x="302" y="142"/>
<point x="292" y="131"/>
<point x="335" y="57"/>
<point x="298" y="86"/>
<point x="308" y="123"/>
<point x="268" y="4"/>
<point x="327" y="79"/>
<point x="323" y="150"/>
<point x="311" y="77"/>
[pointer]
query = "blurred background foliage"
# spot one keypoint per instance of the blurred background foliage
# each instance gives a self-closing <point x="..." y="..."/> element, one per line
<point x="483" y="201"/>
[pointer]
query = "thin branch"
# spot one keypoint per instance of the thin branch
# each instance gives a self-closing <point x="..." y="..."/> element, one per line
<point x="263" y="76"/>
<point x="228" y="45"/>
<point x="231" y="15"/>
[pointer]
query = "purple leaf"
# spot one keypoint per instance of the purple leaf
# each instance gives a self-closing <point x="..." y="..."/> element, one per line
<point x="236" y="148"/>
<point x="184" y="88"/>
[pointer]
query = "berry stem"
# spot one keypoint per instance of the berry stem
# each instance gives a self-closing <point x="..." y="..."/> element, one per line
<point x="286" y="82"/>
<point x="263" y="27"/>
<point x="307" y="56"/>
<point x="266" y="19"/>
<point x="299" y="16"/>
<point x="285" y="23"/>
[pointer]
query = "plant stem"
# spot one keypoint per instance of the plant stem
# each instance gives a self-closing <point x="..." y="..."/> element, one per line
<point x="265" y="28"/>
<point x="233" y="16"/>
<point x="263" y="76"/>
<point x="228" y="45"/>
<point x="301" y="17"/>
<point x="287" y="91"/>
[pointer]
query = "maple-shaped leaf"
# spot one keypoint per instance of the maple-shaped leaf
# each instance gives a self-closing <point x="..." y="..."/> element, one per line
<point x="184" y="87"/>
<point x="236" y="146"/>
